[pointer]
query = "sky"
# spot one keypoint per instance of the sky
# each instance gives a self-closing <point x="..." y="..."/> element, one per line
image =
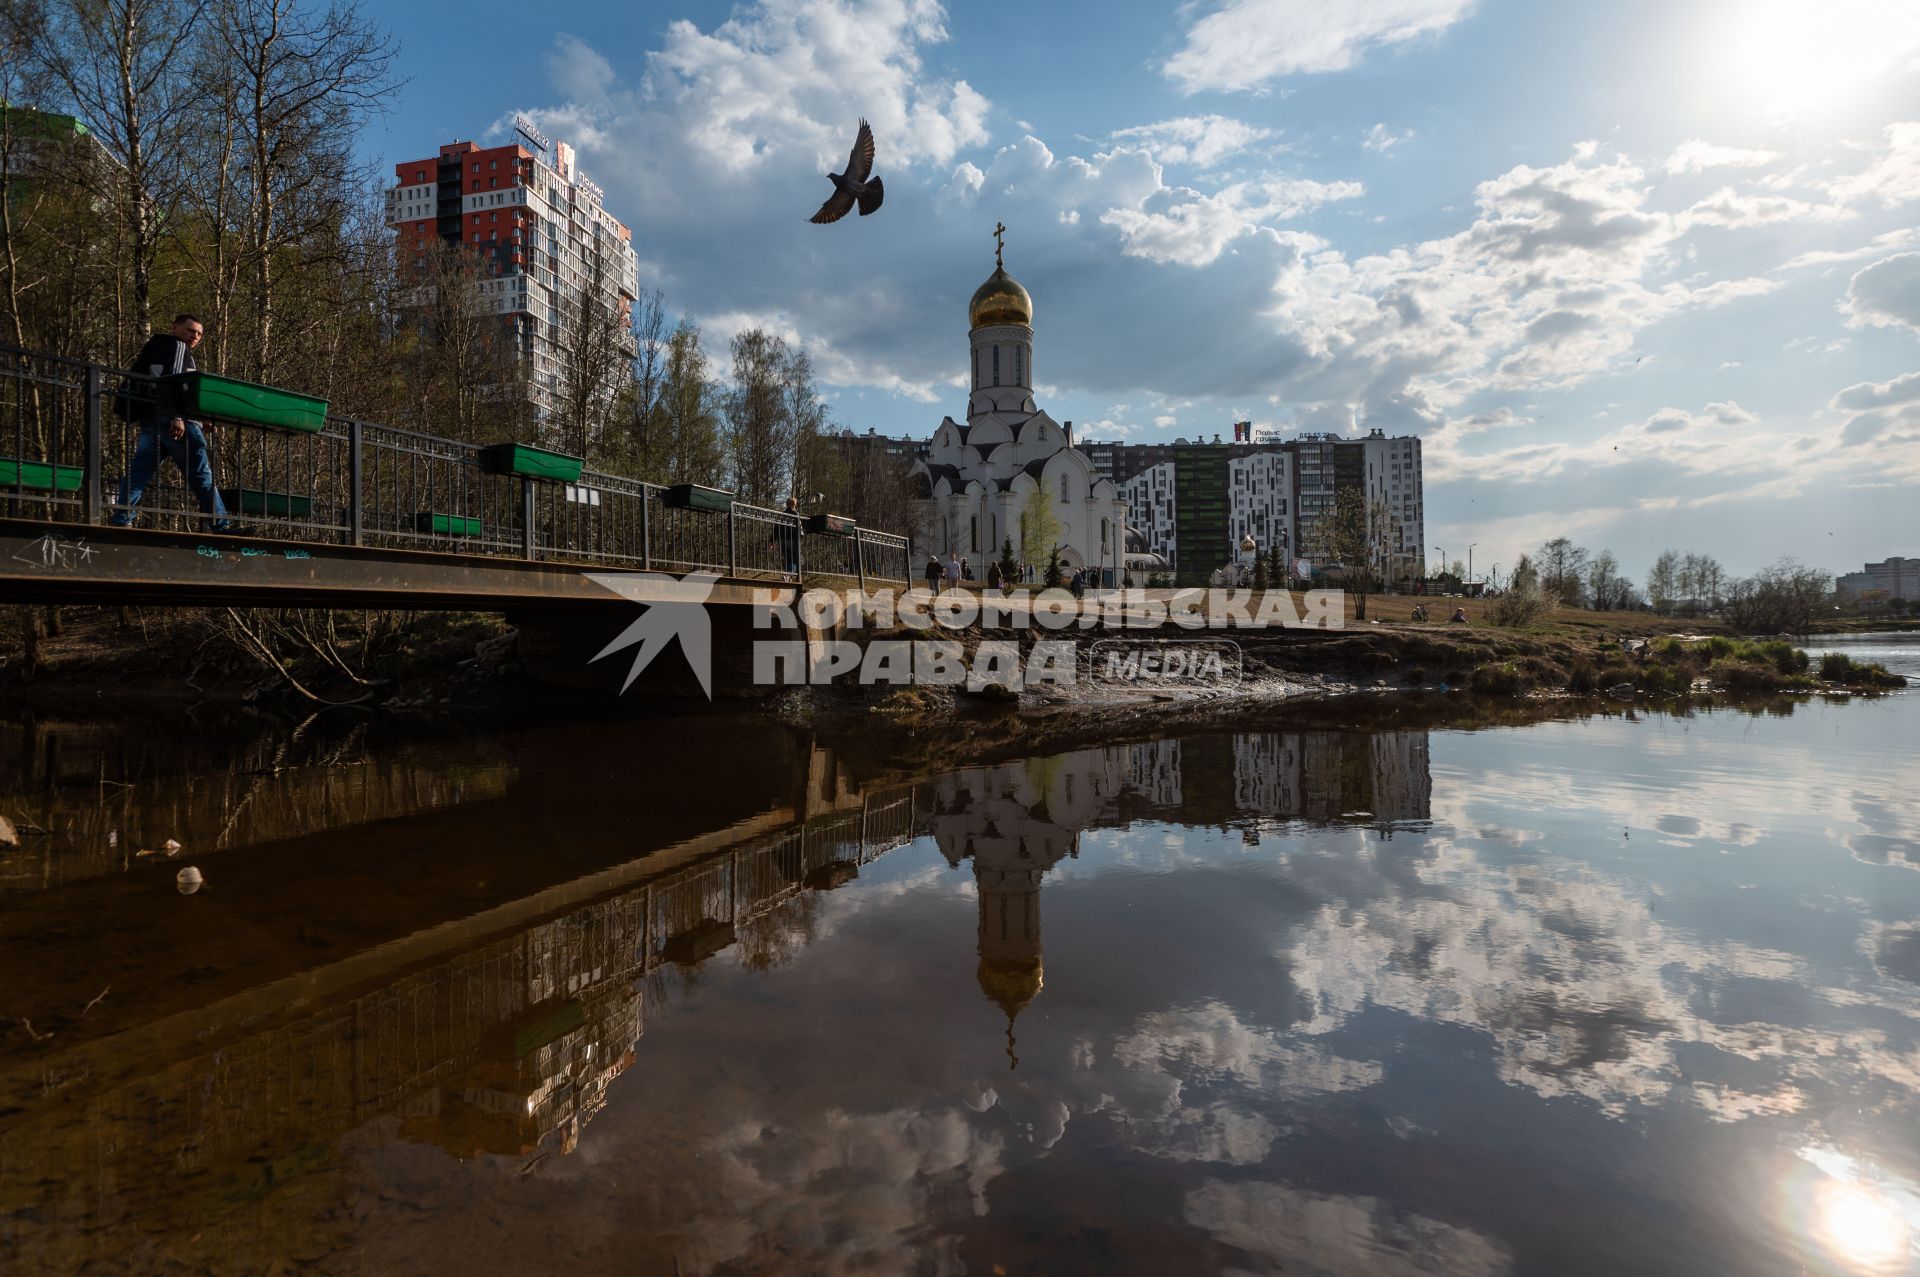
<point x="1641" y="274"/>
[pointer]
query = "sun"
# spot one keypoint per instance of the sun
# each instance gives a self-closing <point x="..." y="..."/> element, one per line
<point x="1793" y="58"/>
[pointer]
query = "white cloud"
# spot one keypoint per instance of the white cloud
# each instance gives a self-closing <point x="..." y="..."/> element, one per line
<point x="1883" y="243"/>
<point x="1285" y="1229"/>
<point x="1200" y="140"/>
<point x="1729" y="208"/>
<point x="794" y="74"/>
<point x="1694" y="155"/>
<point x="1245" y="45"/>
<point x="1887" y="412"/>
<point x="1184" y="228"/>
<point x="1383" y="139"/>
<point x="1886" y="293"/>
<point x="1893" y="177"/>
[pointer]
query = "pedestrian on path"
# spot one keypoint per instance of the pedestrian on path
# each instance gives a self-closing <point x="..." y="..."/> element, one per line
<point x="162" y="434"/>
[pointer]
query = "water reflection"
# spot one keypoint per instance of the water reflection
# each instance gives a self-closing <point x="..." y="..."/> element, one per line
<point x="1596" y="995"/>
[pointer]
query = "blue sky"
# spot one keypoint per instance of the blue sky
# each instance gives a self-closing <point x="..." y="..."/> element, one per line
<point x="1642" y="274"/>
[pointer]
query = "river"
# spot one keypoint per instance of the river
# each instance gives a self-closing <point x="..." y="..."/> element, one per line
<point x="1603" y="992"/>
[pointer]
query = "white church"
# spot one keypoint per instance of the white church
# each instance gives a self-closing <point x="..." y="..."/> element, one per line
<point x="979" y="477"/>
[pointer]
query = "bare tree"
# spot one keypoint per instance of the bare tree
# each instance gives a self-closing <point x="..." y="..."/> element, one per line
<point x="1663" y="581"/>
<point x="306" y="80"/>
<point x="691" y="448"/>
<point x="595" y="349"/>
<point x="760" y="436"/>
<point x="1356" y="533"/>
<point x="1607" y="590"/>
<point x="1782" y="598"/>
<point x="122" y="65"/>
<point x="1563" y="567"/>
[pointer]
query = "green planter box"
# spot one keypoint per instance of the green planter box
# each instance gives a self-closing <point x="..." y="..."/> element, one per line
<point x="40" y="474"/>
<point x="446" y="525"/>
<point x="531" y="463"/>
<point x="203" y="395"/>
<point x="546" y="1025"/>
<point x="704" y="939"/>
<point x="830" y="525"/>
<point x="691" y="496"/>
<point x="277" y="505"/>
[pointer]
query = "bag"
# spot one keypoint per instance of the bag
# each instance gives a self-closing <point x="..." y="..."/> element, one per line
<point x="125" y="406"/>
<point x="129" y="404"/>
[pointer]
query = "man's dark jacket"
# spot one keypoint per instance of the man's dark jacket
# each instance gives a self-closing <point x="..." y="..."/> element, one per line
<point x="164" y="355"/>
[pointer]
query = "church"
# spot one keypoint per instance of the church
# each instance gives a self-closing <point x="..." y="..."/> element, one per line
<point x="1010" y="466"/>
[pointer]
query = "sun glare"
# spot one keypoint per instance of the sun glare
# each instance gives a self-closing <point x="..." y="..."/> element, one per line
<point x="1792" y="57"/>
<point x="1861" y="1227"/>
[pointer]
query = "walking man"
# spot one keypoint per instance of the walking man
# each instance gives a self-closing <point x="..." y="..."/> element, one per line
<point x="953" y="571"/>
<point x="181" y="441"/>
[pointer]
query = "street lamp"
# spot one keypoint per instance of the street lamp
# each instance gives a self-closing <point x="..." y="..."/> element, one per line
<point x="1470" y="561"/>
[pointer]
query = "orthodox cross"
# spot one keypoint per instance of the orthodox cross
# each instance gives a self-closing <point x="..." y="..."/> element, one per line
<point x="999" y="241"/>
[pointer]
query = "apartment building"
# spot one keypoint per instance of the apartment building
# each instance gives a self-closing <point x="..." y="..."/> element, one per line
<point x="1194" y="503"/>
<point x="552" y="257"/>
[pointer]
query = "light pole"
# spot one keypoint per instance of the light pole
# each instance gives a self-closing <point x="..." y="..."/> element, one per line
<point x="1443" y="559"/>
<point x="1470" y="561"/>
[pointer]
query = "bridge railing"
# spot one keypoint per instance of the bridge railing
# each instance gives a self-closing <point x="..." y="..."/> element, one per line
<point x="70" y="432"/>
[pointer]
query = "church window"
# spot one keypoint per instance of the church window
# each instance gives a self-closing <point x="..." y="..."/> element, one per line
<point x="1018" y="380"/>
<point x="1063" y="488"/>
<point x="996" y="365"/>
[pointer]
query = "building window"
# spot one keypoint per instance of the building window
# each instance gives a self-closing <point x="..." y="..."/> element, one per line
<point x="976" y="367"/>
<point x="1018" y="380"/>
<point x="1063" y="489"/>
<point x="996" y="365"/>
<point x="973" y="533"/>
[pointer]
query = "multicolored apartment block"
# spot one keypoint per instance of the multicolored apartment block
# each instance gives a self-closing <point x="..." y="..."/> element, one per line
<point x="546" y="242"/>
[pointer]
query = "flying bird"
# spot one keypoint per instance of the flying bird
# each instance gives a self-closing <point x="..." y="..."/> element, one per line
<point x="853" y="185"/>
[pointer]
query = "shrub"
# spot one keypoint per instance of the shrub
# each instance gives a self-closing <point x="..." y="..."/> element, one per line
<point x="1505" y="679"/>
<point x="1519" y="607"/>
<point x="1665" y="680"/>
<point x="1838" y="667"/>
<point x="1582" y="678"/>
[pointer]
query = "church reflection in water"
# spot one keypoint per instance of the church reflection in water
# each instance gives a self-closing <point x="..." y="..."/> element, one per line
<point x="1015" y="821"/>
<point x="508" y="1044"/>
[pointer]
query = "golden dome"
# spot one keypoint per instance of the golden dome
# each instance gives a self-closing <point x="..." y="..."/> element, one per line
<point x="1000" y="300"/>
<point x="1010" y="983"/>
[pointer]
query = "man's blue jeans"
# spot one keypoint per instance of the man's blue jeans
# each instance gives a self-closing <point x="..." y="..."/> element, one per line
<point x="188" y="454"/>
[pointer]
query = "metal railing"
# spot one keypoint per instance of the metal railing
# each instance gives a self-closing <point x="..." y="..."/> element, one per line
<point x="70" y="432"/>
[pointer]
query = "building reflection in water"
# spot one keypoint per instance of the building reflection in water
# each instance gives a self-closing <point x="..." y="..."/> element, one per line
<point x="1015" y="821"/>
<point x="508" y="1046"/>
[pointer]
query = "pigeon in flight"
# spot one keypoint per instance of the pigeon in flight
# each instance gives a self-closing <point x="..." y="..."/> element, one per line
<point x="854" y="184"/>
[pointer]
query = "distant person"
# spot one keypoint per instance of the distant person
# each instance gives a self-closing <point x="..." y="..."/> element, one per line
<point x="181" y="441"/>
<point x="993" y="576"/>
<point x="790" y="537"/>
<point x="933" y="575"/>
<point x="1459" y="616"/>
<point x="966" y="569"/>
<point x="953" y="571"/>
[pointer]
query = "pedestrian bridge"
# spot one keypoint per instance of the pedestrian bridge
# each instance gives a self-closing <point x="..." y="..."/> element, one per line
<point x="353" y="514"/>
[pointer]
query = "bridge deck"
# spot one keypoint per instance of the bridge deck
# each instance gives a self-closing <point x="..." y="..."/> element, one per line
<point x="354" y="514"/>
<point x="42" y="562"/>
